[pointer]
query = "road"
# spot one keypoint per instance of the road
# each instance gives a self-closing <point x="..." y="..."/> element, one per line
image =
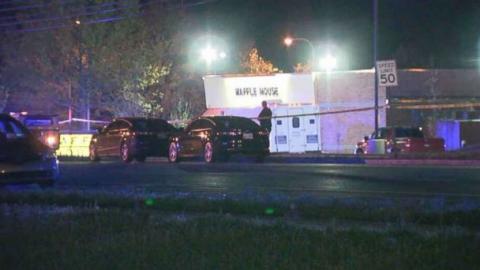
<point x="237" y="177"/>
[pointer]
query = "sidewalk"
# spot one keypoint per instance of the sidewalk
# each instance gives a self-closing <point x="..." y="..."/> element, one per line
<point x="314" y="157"/>
<point x="403" y="160"/>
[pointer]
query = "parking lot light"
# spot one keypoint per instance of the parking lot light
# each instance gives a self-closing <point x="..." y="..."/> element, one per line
<point x="209" y="55"/>
<point x="328" y="63"/>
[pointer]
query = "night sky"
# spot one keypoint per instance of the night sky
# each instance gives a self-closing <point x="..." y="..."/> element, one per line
<point x="418" y="33"/>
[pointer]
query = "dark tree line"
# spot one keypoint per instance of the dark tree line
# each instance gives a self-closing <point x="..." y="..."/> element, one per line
<point x="132" y="66"/>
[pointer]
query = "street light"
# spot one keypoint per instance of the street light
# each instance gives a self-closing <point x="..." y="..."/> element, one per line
<point x="328" y="63"/>
<point x="288" y="41"/>
<point x="210" y="55"/>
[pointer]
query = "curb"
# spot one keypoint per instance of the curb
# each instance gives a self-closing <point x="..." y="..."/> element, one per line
<point x="437" y="162"/>
<point x="321" y="160"/>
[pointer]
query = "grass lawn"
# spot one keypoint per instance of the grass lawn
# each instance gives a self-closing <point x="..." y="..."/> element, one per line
<point x="145" y="239"/>
<point x="418" y="212"/>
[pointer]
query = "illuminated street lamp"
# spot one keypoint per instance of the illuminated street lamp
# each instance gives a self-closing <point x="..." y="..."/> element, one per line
<point x="328" y="63"/>
<point x="210" y="55"/>
<point x="288" y="41"/>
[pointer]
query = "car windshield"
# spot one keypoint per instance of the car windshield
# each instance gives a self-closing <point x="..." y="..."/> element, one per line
<point x="37" y="122"/>
<point x="408" y="132"/>
<point x="152" y="125"/>
<point x="11" y="126"/>
<point x="236" y="122"/>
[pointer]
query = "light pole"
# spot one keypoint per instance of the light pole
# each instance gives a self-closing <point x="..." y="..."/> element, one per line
<point x="84" y="75"/>
<point x="288" y="41"/>
<point x="375" y="29"/>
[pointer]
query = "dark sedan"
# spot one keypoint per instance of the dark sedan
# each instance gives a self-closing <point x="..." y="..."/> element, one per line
<point x="23" y="158"/>
<point x="216" y="138"/>
<point x="132" y="138"/>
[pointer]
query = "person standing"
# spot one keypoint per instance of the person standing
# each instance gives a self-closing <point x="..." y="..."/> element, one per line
<point x="265" y="117"/>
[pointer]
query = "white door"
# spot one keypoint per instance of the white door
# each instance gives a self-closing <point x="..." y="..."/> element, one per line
<point x="296" y="126"/>
<point x="279" y="135"/>
<point x="312" y="137"/>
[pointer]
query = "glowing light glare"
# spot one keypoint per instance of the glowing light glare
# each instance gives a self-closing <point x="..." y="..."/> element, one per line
<point x="328" y="62"/>
<point x="209" y="54"/>
<point x="269" y="211"/>
<point x="223" y="55"/>
<point x="77" y="22"/>
<point x="149" y="202"/>
<point x="51" y="140"/>
<point x="288" y="41"/>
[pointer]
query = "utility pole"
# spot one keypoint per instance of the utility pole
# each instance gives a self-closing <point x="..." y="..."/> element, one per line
<point x="70" y="110"/>
<point x="375" y="29"/>
<point x="83" y="59"/>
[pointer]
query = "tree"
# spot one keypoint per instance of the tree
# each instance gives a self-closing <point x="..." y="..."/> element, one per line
<point x="301" y="68"/>
<point x="132" y="67"/>
<point x="4" y="95"/>
<point x="186" y="101"/>
<point x="253" y="63"/>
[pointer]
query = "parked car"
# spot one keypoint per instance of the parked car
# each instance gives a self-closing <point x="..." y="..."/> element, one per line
<point x="44" y="127"/>
<point x="132" y="138"/>
<point x="215" y="138"/>
<point x="399" y="140"/>
<point x="24" y="158"/>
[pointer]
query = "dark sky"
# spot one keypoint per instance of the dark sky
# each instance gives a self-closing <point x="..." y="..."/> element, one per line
<point x="418" y="33"/>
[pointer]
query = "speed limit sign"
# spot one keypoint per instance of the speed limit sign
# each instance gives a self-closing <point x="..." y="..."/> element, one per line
<point x="387" y="73"/>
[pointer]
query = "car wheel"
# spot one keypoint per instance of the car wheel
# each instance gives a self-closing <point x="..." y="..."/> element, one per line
<point x="173" y="153"/>
<point x="359" y="151"/>
<point x="209" y="153"/>
<point x="125" y="153"/>
<point x="93" y="155"/>
<point x="140" y="158"/>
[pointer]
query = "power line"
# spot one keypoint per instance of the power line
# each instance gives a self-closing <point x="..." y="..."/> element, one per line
<point x="80" y="9"/>
<point x="107" y="19"/>
<point x="32" y="6"/>
<point x="72" y="16"/>
<point x="10" y="2"/>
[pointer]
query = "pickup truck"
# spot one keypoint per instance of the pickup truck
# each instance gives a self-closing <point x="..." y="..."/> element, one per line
<point x="399" y="140"/>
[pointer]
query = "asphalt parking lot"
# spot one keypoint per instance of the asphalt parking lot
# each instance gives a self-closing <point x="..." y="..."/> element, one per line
<point x="157" y="175"/>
